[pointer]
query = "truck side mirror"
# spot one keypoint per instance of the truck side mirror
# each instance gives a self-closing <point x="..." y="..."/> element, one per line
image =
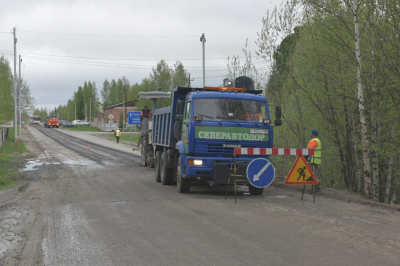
<point x="278" y="116"/>
<point x="179" y="106"/>
<point x="278" y="113"/>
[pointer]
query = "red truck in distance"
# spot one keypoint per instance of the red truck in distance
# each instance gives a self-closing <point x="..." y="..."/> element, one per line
<point x="52" y="121"/>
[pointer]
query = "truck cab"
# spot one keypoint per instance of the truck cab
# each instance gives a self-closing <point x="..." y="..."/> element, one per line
<point x="194" y="139"/>
<point x="52" y="121"/>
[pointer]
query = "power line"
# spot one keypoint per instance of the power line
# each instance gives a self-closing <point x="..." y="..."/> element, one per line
<point x="113" y="65"/>
<point x="113" y="36"/>
<point x="99" y="64"/>
<point x="211" y="77"/>
<point x="127" y="59"/>
<point x="105" y="64"/>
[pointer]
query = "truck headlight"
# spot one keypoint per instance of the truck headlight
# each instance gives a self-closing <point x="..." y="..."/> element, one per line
<point x="196" y="162"/>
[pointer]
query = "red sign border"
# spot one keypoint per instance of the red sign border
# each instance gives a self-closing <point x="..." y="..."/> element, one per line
<point x="315" y="182"/>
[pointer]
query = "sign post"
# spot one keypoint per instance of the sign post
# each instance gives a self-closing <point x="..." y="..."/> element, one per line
<point x="261" y="173"/>
<point x="5" y="124"/>
<point x="110" y="117"/>
<point x="301" y="174"/>
<point x="134" y="118"/>
<point x="4" y="141"/>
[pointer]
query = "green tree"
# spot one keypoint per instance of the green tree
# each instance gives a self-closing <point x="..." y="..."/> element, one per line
<point x="6" y="90"/>
<point x="180" y="76"/>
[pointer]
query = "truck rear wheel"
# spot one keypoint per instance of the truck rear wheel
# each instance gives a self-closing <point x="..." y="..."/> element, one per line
<point x="165" y="173"/>
<point x="255" y="190"/>
<point x="182" y="184"/>
<point x="143" y="155"/>
<point x="157" y="166"/>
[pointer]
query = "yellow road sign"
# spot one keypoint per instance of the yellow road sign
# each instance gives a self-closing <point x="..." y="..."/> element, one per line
<point x="300" y="174"/>
<point x="110" y="116"/>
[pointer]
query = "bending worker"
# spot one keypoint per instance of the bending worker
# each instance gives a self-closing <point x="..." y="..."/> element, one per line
<point x="315" y="159"/>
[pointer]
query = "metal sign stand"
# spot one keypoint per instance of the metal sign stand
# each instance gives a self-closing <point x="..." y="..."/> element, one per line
<point x="313" y="188"/>
<point x="4" y="141"/>
<point x="234" y="175"/>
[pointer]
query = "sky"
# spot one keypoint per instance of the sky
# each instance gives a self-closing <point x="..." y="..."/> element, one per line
<point x="65" y="43"/>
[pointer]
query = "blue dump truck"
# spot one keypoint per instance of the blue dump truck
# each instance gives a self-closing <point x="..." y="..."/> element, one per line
<point x="193" y="140"/>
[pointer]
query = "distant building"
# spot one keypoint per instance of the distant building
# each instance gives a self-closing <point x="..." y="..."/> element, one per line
<point x="116" y="110"/>
<point x="99" y="118"/>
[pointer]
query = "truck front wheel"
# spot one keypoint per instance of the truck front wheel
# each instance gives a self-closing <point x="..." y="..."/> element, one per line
<point x="182" y="184"/>
<point x="255" y="190"/>
<point x="157" y="166"/>
<point x="165" y="173"/>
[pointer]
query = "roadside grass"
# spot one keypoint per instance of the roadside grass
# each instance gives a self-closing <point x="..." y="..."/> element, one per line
<point x="134" y="138"/>
<point x="9" y="160"/>
<point x="82" y="128"/>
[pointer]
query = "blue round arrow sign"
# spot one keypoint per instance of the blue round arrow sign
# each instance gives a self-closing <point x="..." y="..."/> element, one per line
<point x="260" y="172"/>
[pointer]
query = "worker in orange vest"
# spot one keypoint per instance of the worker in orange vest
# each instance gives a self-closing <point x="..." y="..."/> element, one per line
<point x="315" y="160"/>
<point x="247" y="116"/>
<point x="255" y="117"/>
<point x="146" y="113"/>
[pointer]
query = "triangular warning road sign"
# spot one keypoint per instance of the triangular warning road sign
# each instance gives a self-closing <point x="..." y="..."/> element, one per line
<point x="300" y="174"/>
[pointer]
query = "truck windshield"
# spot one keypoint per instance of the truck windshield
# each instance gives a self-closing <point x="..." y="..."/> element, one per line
<point x="36" y="118"/>
<point x="230" y="109"/>
<point x="53" y="117"/>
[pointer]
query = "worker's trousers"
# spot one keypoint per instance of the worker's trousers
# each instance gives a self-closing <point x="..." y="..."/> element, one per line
<point x="313" y="168"/>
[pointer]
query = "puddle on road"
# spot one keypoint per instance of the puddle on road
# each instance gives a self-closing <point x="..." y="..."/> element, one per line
<point x="34" y="165"/>
<point x="278" y="197"/>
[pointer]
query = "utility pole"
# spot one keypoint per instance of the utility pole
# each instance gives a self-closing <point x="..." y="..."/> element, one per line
<point x="75" y="109"/>
<point x="15" y="88"/>
<point x="19" y="99"/>
<point x="203" y="40"/>
<point x="68" y="110"/>
<point x="90" y="111"/>
<point x="190" y="80"/>
<point x="123" y="109"/>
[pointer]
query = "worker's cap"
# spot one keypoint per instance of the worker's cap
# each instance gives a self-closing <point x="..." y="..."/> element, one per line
<point x="314" y="132"/>
<point x="145" y="106"/>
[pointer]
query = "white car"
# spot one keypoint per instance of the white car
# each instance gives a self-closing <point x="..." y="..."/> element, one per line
<point x="78" y="122"/>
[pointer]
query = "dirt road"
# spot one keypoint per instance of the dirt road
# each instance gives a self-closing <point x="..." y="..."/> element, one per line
<point x="101" y="207"/>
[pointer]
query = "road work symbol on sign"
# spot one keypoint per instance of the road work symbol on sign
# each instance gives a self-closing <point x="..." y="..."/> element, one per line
<point x="260" y="172"/>
<point x="301" y="174"/>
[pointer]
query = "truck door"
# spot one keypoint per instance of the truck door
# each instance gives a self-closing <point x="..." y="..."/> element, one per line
<point x="185" y="126"/>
